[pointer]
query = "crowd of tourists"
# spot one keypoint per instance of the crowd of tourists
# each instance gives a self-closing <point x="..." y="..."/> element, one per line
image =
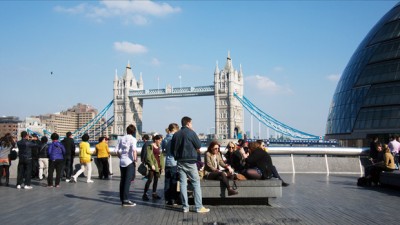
<point x="177" y="155"/>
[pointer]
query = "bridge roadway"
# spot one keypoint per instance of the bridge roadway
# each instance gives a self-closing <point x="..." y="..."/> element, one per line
<point x="310" y="199"/>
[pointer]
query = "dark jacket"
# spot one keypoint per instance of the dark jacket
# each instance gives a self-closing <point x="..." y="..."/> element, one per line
<point x="25" y="149"/>
<point x="260" y="159"/>
<point x="69" y="146"/>
<point x="56" y="151"/>
<point x="184" y="145"/>
<point x="35" y="149"/>
<point x="235" y="159"/>
<point x="43" y="151"/>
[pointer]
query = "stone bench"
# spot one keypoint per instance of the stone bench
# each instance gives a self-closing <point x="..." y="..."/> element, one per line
<point x="390" y="178"/>
<point x="251" y="192"/>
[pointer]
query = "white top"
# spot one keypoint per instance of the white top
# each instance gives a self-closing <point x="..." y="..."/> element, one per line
<point x="394" y="146"/>
<point x="126" y="148"/>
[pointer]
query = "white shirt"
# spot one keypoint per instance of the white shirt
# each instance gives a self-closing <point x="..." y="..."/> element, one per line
<point x="126" y="148"/>
<point x="394" y="146"/>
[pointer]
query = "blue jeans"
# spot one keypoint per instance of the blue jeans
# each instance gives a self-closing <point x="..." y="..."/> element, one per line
<point x="127" y="173"/>
<point x="189" y="170"/>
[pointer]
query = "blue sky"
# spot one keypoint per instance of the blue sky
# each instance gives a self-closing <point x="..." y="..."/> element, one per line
<point x="292" y="54"/>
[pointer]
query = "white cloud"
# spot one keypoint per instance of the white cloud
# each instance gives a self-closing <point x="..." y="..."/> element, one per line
<point x="155" y="62"/>
<point x="265" y="84"/>
<point x="136" y="12"/>
<point x="333" y="77"/>
<point x="130" y="48"/>
<point x="81" y="8"/>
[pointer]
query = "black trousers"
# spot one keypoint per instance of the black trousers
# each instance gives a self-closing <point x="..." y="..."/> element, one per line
<point x="58" y="165"/>
<point x="127" y="173"/>
<point x="103" y="167"/>
<point x="152" y="175"/>
<point x="24" y="171"/>
<point x="68" y="167"/>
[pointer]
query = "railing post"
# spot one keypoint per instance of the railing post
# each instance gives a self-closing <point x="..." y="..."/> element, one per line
<point x="327" y="165"/>
<point x="293" y="169"/>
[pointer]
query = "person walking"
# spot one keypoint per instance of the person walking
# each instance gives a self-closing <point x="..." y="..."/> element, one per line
<point x="69" y="146"/>
<point x="155" y="161"/>
<point x="85" y="160"/>
<point x="103" y="153"/>
<point x="43" y="158"/>
<point x="185" y="146"/>
<point x="126" y="150"/>
<point x="56" y="153"/>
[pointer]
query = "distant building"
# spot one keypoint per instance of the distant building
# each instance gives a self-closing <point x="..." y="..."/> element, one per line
<point x="366" y="102"/>
<point x="31" y="124"/>
<point x="75" y="118"/>
<point x="9" y="124"/>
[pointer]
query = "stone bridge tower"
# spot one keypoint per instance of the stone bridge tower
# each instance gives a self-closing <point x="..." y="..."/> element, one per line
<point x="127" y="110"/>
<point x="229" y="114"/>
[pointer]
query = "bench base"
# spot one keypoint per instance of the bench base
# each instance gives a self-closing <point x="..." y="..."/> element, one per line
<point x="251" y="192"/>
<point x="390" y="178"/>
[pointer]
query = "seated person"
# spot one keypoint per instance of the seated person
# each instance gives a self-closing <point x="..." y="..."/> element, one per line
<point x="257" y="163"/>
<point x="386" y="165"/>
<point x="235" y="157"/>
<point x="215" y="168"/>
<point x="273" y="169"/>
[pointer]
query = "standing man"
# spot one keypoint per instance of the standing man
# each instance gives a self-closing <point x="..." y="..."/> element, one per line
<point x="35" y="156"/>
<point x="171" y="175"/>
<point x="394" y="146"/>
<point x="25" y="161"/>
<point x="126" y="150"/>
<point x="185" y="146"/>
<point x="69" y="146"/>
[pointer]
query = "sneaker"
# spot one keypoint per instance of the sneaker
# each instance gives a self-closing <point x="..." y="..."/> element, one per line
<point x="67" y="180"/>
<point x="185" y="210"/>
<point x="73" y="180"/>
<point x="145" y="197"/>
<point x="128" y="203"/>
<point x="57" y="186"/>
<point x="284" y="184"/>
<point x="28" y="187"/>
<point x="89" y="181"/>
<point x="203" y="210"/>
<point x="18" y="186"/>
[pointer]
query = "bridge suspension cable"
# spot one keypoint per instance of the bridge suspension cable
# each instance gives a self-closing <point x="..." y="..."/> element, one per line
<point x="271" y="122"/>
<point x="80" y="131"/>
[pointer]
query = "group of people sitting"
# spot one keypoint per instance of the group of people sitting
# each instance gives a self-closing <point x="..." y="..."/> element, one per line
<point x="381" y="159"/>
<point x="248" y="160"/>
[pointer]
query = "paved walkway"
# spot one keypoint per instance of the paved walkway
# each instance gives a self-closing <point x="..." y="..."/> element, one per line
<point x="310" y="199"/>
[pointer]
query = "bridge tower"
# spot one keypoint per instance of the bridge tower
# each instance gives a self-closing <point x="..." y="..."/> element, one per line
<point x="229" y="114"/>
<point x="127" y="110"/>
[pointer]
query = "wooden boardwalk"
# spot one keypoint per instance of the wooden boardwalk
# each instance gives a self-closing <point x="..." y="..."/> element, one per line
<point x="310" y="199"/>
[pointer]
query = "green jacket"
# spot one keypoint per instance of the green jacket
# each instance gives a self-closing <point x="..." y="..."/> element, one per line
<point x="151" y="159"/>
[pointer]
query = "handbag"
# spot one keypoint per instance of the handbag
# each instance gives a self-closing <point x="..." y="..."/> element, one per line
<point x="13" y="155"/>
<point x="142" y="169"/>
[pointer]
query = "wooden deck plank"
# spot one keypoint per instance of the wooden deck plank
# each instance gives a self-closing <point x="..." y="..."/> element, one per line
<point x="310" y="199"/>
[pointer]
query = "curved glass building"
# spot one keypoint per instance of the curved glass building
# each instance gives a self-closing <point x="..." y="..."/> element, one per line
<point x="366" y="102"/>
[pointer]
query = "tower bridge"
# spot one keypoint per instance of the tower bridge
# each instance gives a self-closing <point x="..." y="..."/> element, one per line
<point x="129" y="94"/>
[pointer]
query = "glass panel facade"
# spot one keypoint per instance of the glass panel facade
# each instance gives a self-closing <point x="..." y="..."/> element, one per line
<point x="367" y="98"/>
